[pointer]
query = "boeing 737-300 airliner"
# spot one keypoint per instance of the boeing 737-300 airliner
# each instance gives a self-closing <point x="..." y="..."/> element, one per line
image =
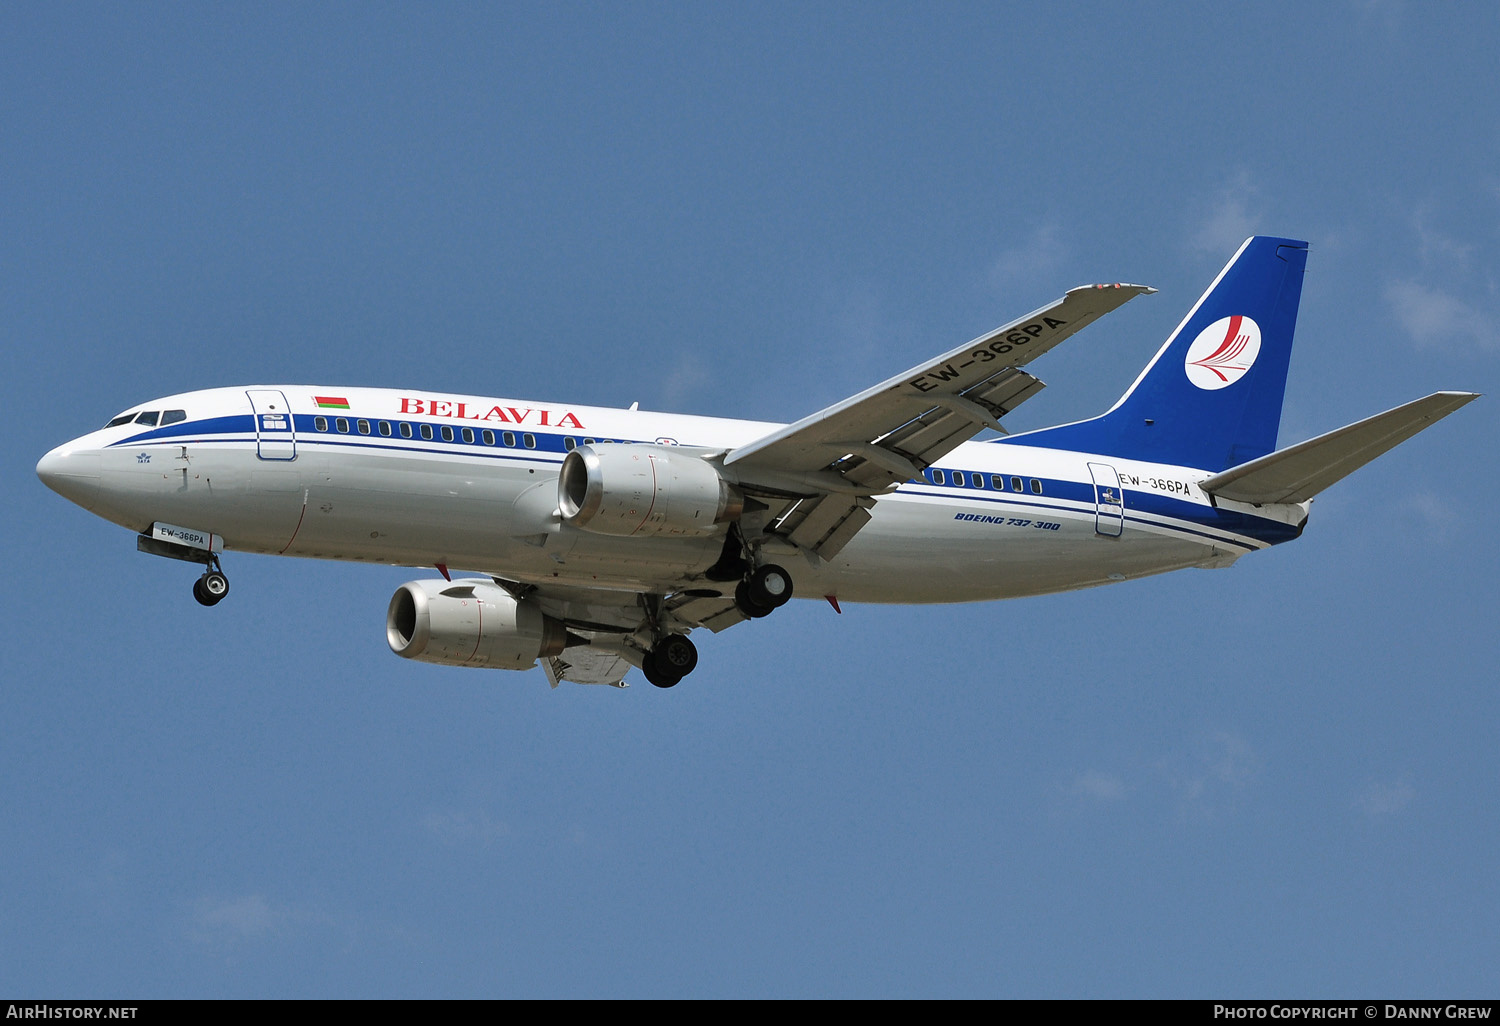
<point x="606" y="536"/>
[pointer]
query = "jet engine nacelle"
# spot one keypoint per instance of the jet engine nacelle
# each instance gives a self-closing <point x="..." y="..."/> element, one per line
<point x="630" y="489"/>
<point x="470" y="623"/>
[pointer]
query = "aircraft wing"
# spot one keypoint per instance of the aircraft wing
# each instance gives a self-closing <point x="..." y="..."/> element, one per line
<point x="834" y="463"/>
<point x="821" y="475"/>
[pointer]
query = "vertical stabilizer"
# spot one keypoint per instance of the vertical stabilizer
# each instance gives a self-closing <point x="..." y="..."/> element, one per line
<point x="1211" y="397"/>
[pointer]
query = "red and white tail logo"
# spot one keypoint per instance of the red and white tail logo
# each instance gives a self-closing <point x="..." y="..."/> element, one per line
<point x="1223" y="352"/>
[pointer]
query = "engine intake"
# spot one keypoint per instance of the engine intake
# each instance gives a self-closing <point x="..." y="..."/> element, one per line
<point x="634" y="490"/>
<point x="470" y="623"/>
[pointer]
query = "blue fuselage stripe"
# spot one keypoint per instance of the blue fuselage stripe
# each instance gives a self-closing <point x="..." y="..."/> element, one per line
<point x="1207" y="521"/>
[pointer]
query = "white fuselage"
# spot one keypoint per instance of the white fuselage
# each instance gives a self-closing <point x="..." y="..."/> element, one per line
<point x="424" y="479"/>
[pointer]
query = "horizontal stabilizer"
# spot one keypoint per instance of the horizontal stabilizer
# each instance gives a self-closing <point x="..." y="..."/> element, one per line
<point x="1299" y="472"/>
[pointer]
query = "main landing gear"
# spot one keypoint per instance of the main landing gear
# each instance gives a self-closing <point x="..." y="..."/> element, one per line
<point x="211" y="588"/>
<point x="767" y="588"/>
<point x="674" y="656"/>
<point x="672" y="659"/>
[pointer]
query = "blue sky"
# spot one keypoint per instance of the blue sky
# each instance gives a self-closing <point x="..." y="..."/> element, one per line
<point x="1274" y="780"/>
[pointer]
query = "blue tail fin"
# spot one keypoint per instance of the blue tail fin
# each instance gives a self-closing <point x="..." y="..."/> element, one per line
<point x="1211" y="398"/>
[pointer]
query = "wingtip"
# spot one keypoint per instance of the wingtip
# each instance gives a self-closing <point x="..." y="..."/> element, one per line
<point x="1140" y="290"/>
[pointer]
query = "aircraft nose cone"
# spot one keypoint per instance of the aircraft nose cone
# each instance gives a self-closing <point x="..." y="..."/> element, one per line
<point x="72" y="474"/>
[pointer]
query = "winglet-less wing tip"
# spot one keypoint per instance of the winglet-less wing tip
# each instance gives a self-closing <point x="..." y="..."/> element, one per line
<point x="1140" y="290"/>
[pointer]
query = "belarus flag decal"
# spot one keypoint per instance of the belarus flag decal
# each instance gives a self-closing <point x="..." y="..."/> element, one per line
<point x="331" y="402"/>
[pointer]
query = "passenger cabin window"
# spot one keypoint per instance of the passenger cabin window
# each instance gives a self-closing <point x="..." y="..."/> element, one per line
<point x="1036" y="486"/>
<point x="321" y="423"/>
<point x="124" y="418"/>
<point x="469" y="435"/>
<point x="364" y="426"/>
<point x="529" y="439"/>
<point x="509" y="438"/>
<point x="1015" y="485"/>
<point x="958" y="478"/>
<point x="997" y="482"/>
<point x="978" y="480"/>
<point x="148" y="419"/>
<point x="488" y="436"/>
<point x="405" y="429"/>
<point x="447" y="433"/>
<point x="426" y="430"/>
<point x="938" y="477"/>
<point x="385" y="428"/>
<point x="173" y="417"/>
<point x="342" y="425"/>
<point x="570" y="443"/>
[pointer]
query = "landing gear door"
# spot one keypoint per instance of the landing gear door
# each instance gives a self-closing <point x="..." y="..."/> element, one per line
<point x="1109" y="500"/>
<point x="275" y="438"/>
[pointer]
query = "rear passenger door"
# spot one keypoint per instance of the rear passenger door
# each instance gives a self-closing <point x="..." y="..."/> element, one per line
<point x="1109" y="500"/>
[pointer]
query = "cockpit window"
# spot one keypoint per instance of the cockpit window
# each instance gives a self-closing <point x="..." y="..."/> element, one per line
<point x="173" y="417"/>
<point x="148" y="419"/>
<point x="124" y="418"/>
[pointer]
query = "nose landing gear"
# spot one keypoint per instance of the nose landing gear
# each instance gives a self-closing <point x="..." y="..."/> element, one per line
<point x="191" y="546"/>
<point x="211" y="588"/>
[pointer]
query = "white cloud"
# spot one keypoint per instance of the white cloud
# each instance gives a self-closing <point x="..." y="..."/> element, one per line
<point x="1230" y="216"/>
<point x="226" y="922"/>
<point x="223" y="920"/>
<point x="1385" y="16"/>
<point x="862" y="331"/>
<point x="1205" y="775"/>
<point x="687" y="378"/>
<point x="460" y="828"/>
<point x="1099" y="786"/>
<point x="1435" y="248"/>
<point x="247" y="916"/>
<point x="1436" y="515"/>
<point x="1434" y="317"/>
<point x="1230" y="759"/>
<point x="1450" y="299"/>
<point x="1029" y="261"/>
<point x="1220" y="765"/>
<point x="1380" y="800"/>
